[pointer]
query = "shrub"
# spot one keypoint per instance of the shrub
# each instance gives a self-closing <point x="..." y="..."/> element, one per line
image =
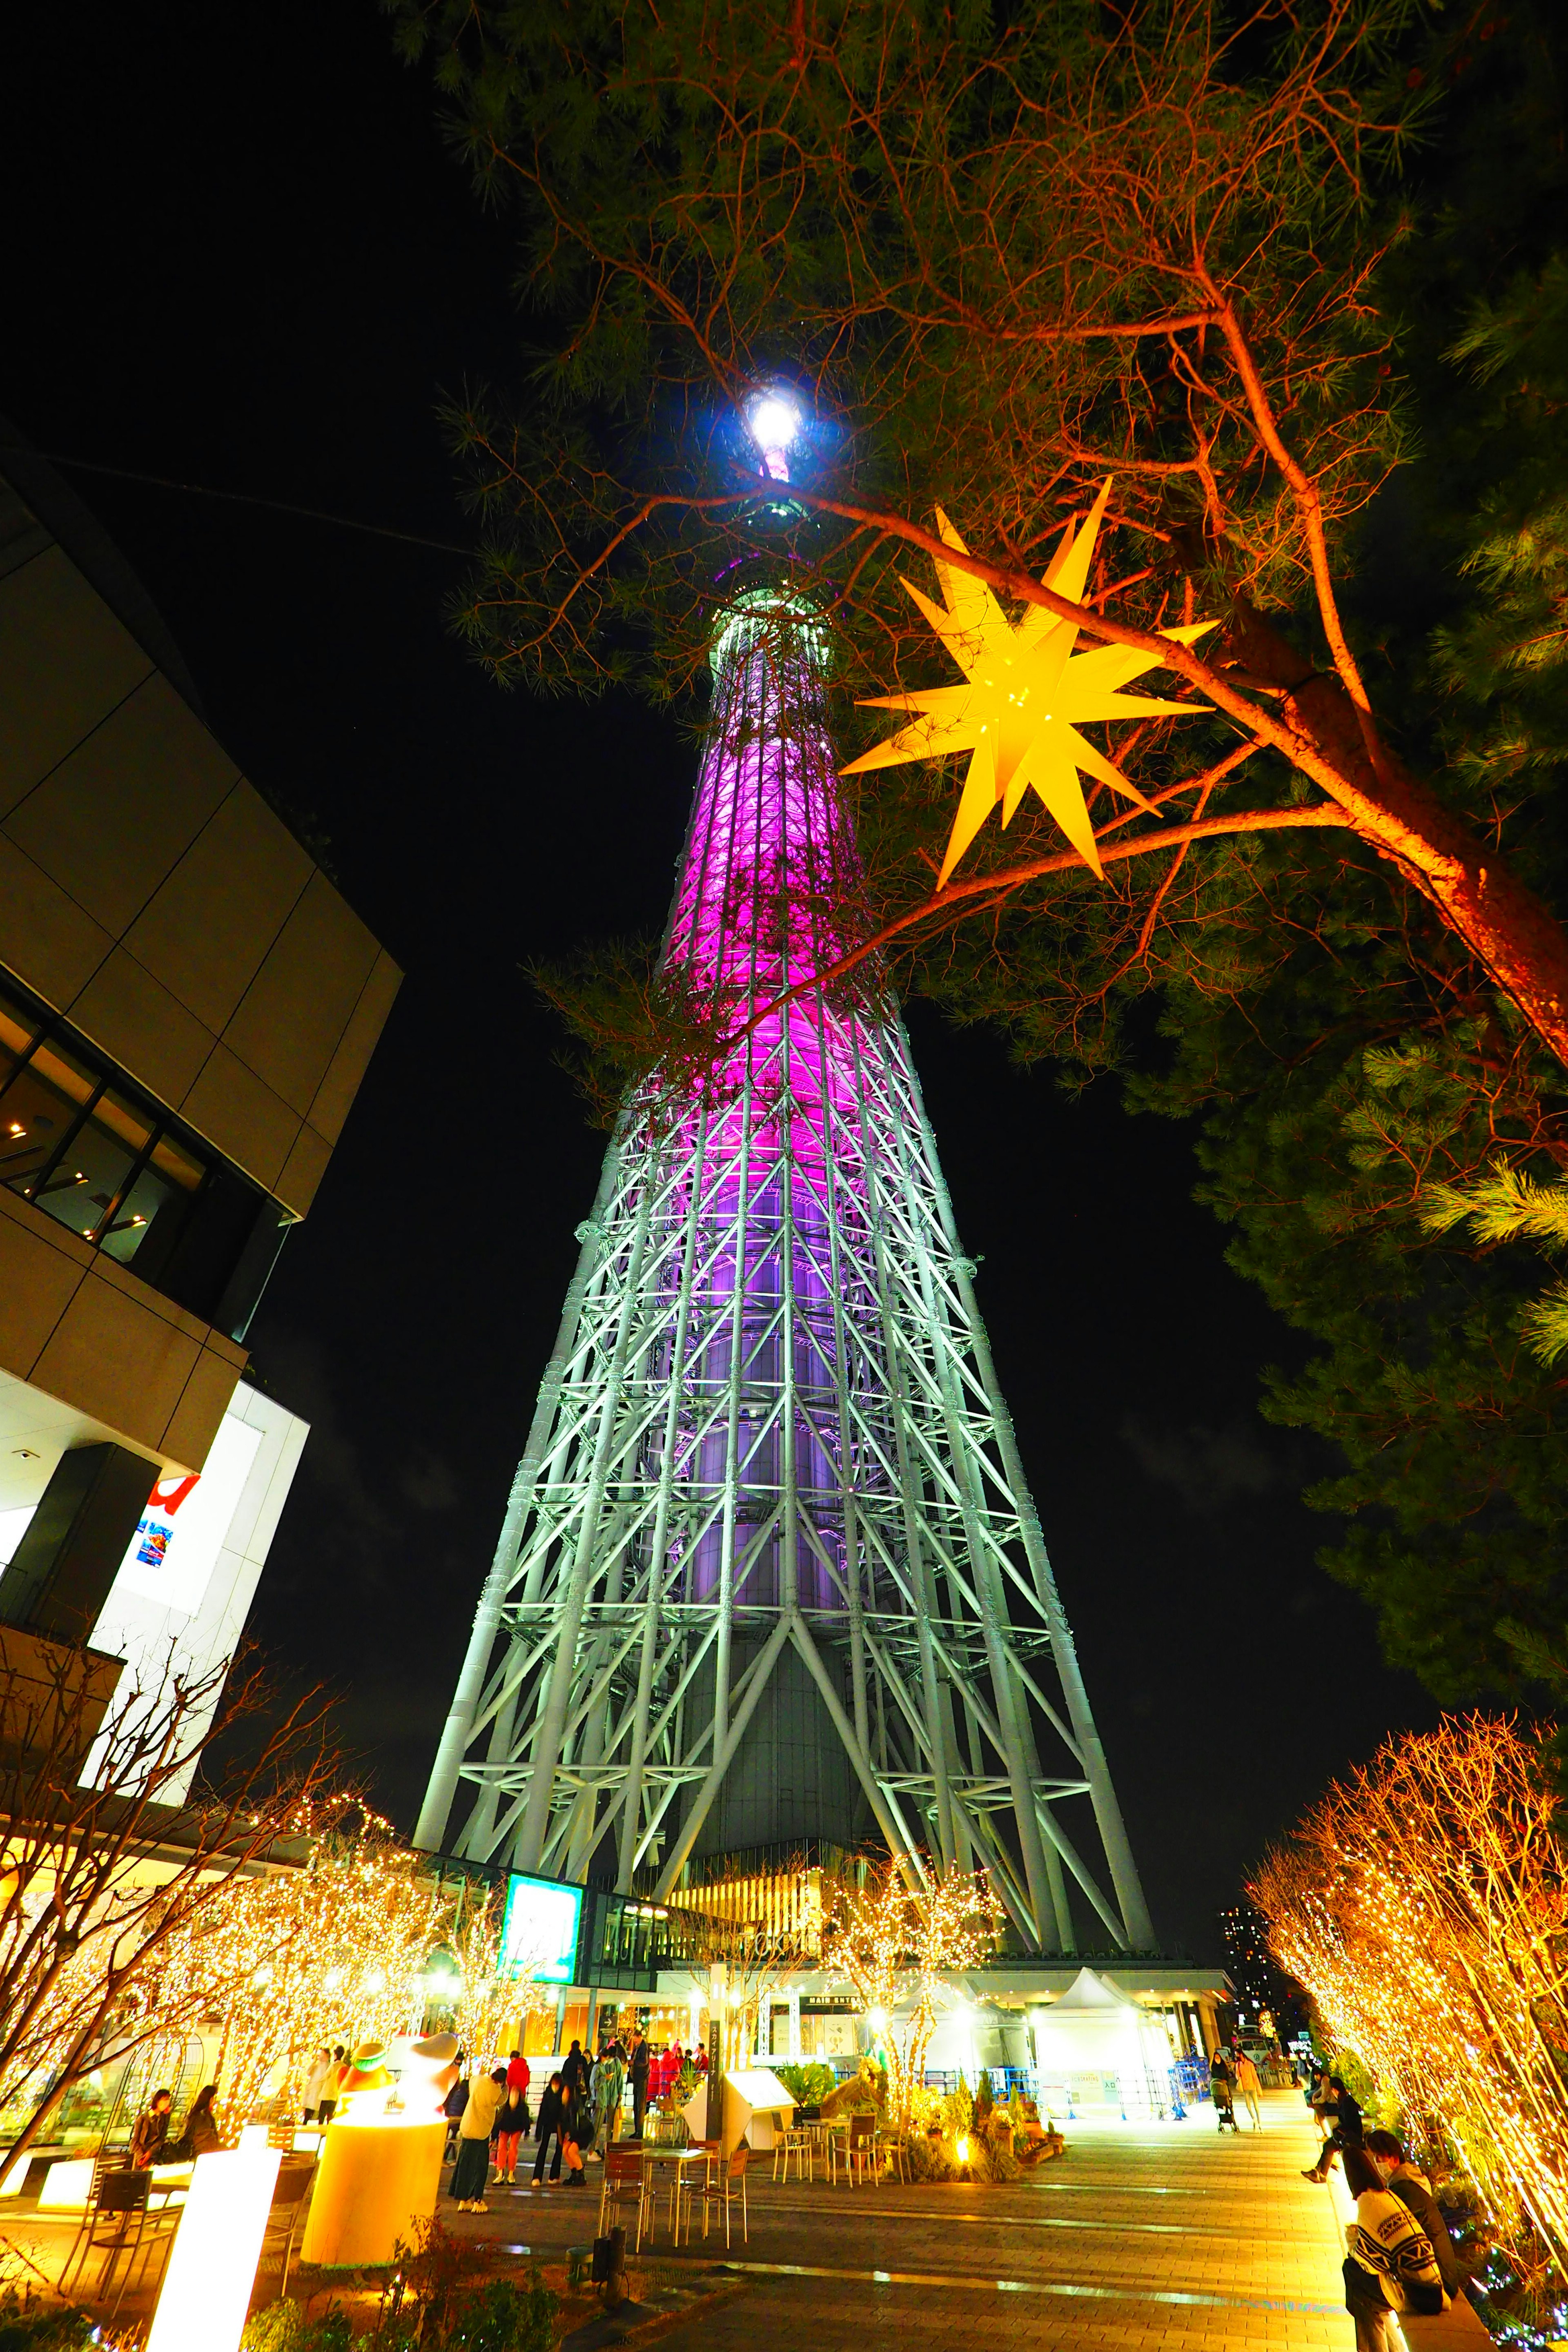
<point x="958" y="2112"/>
<point x="23" y="2330"/>
<point x="809" y="2084"/>
<point x="927" y="2159"/>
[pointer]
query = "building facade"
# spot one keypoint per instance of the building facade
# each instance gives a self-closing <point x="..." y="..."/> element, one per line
<point x="187" y="1006"/>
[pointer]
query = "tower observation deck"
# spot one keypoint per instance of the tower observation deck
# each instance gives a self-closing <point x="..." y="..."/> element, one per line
<point x="770" y="1573"/>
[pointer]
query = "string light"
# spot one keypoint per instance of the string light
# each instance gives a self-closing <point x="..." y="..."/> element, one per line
<point x="898" y="1945"/>
<point x="1423" y="1904"/>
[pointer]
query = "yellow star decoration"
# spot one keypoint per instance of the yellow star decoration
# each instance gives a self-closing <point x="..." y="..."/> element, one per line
<point x="1025" y="690"/>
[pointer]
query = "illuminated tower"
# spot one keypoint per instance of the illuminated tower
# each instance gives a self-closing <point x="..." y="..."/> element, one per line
<point x="770" y="1573"/>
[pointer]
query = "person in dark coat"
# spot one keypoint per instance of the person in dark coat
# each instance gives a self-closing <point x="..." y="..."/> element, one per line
<point x="1347" y="2131"/>
<point x="549" y="2124"/>
<point x="638" y="2070"/>
<point x="201" y="2135"/>
<point x="1414" y="2190"/>
<point x="150" y="2135"/>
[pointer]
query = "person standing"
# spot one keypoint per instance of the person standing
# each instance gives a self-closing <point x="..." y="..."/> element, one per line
<point x="517" y="2073"/>
<point x="149" y="2134"/>
<point x="332" y="2089"/>
<point x="511" y="2123"/>
<point x="551" y="2125"/>
<point x="638" y="2071"/>
<point x="315" y="2084"/>
<point x="575" y="2075"/>
<point x="1249" y="2084"/>
<point x="609" y="2084"/>
<point x="472" y="2172"/>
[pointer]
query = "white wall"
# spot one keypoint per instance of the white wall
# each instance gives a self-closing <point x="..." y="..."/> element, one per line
<point x="184" y="1587"/>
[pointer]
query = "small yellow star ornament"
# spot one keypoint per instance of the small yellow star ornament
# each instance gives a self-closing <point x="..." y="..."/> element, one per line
<point x="1025" y="689"/>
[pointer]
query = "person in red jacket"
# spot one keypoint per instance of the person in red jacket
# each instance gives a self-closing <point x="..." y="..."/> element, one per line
<point x="518" y="2077"/>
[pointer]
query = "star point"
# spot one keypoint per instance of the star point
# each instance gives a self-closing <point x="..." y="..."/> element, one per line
<point x="1012" y="671"/>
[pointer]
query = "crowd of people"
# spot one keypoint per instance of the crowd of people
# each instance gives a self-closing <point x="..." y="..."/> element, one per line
<point x="579" y="2112"/>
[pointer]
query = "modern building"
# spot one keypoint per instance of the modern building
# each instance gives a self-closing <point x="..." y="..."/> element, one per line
<point x="187" y="1006"/>
<point x="770" y="1579"/>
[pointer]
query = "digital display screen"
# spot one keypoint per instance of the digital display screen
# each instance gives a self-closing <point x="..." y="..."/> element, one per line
<point x="539" y="1932"/>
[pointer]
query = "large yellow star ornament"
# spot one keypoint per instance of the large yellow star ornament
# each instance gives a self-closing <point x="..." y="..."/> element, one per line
<point x="1026" y="697"/>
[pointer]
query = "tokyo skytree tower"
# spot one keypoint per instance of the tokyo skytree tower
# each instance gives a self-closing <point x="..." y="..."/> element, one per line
<point x="770" y="1573"/>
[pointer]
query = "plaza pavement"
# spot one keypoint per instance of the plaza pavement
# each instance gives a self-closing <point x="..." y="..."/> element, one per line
<point x="1171" y="2236"/>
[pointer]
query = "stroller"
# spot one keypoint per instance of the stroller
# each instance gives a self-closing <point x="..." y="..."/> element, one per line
<point x="1225" y="2103"/>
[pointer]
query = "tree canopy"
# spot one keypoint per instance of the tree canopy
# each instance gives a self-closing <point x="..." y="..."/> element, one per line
<point x="1287" y="278"/>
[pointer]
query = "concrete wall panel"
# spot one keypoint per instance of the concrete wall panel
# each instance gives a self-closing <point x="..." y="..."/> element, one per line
<point x="59" y="642"/>
<point x="207" y="930"/>
<point x="46" y="938"/>
<point x="253" y="1125"/>
<point x="109" y="822"/>
<point x="295" y="1012"/>
<point x="348" y="1065"/>
<point x="37" y="1282"/>
<point x="141" y="1026"/>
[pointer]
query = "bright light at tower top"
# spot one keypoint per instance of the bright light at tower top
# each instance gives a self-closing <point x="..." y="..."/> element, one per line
<point x="775" y="422"/>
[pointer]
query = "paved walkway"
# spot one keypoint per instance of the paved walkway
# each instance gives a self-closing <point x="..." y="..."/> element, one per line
<point x="1172" y="2236"/>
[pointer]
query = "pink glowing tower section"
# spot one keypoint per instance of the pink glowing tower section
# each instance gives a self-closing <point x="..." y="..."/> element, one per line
<point x="770" y="893"/>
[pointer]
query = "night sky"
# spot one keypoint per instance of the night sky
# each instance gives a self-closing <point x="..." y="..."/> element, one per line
<point x="236" y="255"/>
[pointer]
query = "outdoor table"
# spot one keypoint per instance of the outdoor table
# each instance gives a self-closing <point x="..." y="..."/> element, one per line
<point x="678" y="2160"/>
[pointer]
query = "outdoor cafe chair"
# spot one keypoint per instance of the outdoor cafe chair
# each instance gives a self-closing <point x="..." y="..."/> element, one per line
<point x="860" y="2156"/>
<point x="624" y="2180"/>
<point x="719" y="2188"/>
<point x="118" y="2220"/>
<point x="286" y="2218"/>
<point x="791" y="2139"/>
<point x="107" y="2161"/>
<point x="891" y="2145"/>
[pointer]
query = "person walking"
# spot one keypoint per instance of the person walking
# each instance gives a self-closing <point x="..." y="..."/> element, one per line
<point x="1346" y="2133"/>
<point x="511" y="2123"/>
<point x="638" y="2069"/>
<point x="551" y="2125"/>
<point x="315" y="2084"/>
<point x="1249" y="2083"/>
<point x="202" y="2136"/>
<point x="149" y="2133"/>
<point x="609" y="2085"/>
<point x="1413" y="2188"/>
<point x="1389" y="2263"/>
<point x="472" y="2172"/>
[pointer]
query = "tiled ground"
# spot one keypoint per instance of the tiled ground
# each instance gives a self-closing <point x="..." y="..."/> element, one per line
<point x="1173" y="2236"/>
<point x="1170" y="2239"/>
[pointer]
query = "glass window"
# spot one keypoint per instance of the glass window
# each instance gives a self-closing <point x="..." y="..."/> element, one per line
<point x="86" y="1151"/>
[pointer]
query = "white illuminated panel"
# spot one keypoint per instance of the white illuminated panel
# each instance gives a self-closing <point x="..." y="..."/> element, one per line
<point x="207" y="2287"/>
<point x="67" y="2185"/>
<point x="539" y="1933"/>
<point x="184" y="1589"/>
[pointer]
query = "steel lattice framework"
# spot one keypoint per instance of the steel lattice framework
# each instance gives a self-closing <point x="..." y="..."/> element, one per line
<point x="770" y="1454"/>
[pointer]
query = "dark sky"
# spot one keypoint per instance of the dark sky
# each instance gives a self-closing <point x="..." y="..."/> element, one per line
<point x="236" y="255"/>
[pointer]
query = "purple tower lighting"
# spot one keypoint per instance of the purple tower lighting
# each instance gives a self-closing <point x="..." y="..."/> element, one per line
<point x="770" y="1577"/>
